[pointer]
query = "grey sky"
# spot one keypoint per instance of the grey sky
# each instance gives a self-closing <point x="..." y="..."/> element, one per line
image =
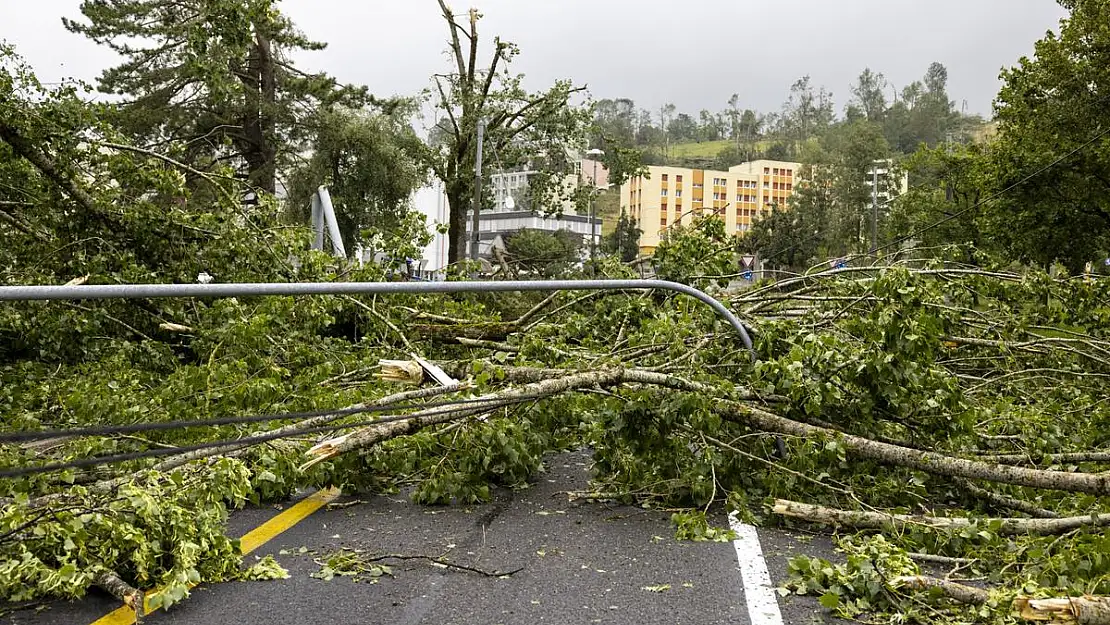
<point x="694" y="53"/>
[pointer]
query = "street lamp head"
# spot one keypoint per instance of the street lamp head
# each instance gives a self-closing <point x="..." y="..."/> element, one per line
<point x="595" y="152"/>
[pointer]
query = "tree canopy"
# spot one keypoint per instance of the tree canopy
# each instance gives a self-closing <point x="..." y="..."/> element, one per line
<point x="540" y="131"/>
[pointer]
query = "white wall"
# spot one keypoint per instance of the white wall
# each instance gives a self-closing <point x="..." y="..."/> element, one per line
<point x="432" y="202"/>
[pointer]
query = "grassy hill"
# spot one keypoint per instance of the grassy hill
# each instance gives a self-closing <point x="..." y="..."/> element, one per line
<point x="706" y="149"/>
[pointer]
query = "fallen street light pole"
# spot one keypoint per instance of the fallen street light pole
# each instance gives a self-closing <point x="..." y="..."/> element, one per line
<point x="249" y="289"/>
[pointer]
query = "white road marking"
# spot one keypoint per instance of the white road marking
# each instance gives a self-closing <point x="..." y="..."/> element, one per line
<point x="763" y="604"/>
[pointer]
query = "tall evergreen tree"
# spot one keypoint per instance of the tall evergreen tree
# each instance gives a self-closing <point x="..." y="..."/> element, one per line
<point x="211" y="80"/>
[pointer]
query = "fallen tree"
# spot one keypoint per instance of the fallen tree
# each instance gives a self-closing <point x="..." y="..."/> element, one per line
<point x="854" y="373"/>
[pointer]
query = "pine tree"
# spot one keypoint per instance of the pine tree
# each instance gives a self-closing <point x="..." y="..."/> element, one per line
<point x="211" y="80"/>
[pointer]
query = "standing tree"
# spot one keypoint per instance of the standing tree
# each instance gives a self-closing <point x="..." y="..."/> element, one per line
<point x="548" y="254"/>
<point x="1055" y="106"/>
<point x="211" y="81"/>
<point x="624" y="241"/>
<point x="868" y="94"/>
<point x="541" y="130"/>
<point x="368" y="162"/>
<point x="614" y="121"/>
<point x="806" y="113"/>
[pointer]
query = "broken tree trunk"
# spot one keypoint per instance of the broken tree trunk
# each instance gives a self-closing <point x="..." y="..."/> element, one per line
<point x="123" y="591"/>
<point x="896" y="522"/>
<point x="1078" y="610"/>
<point x="374" y="434"/>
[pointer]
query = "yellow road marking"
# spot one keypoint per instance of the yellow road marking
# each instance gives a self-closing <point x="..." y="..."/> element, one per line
<point x="250" y="541"/>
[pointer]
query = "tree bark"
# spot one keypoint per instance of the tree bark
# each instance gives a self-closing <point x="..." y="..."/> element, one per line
<point x="1078" y="610"/>
<point x="897" y="522"/>
<point x="927" y="461"/>
<point x="960" y="592"/>
<point x="374" y="434"/>
<point x="1005" y="501"/>
<point x="258" y="126"/>
<point x="135" y="599"/>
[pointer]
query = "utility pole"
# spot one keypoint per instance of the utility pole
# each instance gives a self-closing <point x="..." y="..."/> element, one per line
<point x="595" y="154"/>
<point x="593" y="216"/>
<point x="475" y="236"/>
<point x="874" y="208"/>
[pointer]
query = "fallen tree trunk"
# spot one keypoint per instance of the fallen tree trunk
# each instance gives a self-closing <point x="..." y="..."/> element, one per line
<point x="494" y="331"/>
<point x="1061" y="458"/>
<point x="233" y="450"/>
<point x="1005" y="501"/>
<point x="927" y="461"/>
<point x="374" y="434"/>
<point x="896" y="522"/>
<point x="1078" y="610"/>
<point x="135" y="599"/>
<point x="959" y="592"/>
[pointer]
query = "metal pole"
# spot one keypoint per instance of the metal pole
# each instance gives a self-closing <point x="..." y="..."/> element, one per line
<point x="475" y="237"/>
<point x="593" y="212"/>
<point x="874" y="208"/>
<point x="333" y="225"/>
<point x="249" y="289"/>
<point x="317" y="223"/>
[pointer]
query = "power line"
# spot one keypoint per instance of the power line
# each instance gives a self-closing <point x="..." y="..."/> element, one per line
<point x="182" y="424"/>
<point x="996" y="195"/>
<point x="241" y="442"/>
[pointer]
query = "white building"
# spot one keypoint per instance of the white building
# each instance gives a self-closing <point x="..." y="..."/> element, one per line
<point x="509" y="213"/>
<point x="893" y="181"/>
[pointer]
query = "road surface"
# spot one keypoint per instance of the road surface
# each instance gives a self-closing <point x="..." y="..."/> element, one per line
<point x="578" y="562"/>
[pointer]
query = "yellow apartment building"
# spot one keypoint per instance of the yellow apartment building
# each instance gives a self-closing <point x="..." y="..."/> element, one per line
<point x="672" y="195"/>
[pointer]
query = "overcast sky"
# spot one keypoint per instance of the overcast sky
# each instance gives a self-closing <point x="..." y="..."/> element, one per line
<point x="694" y="53"/>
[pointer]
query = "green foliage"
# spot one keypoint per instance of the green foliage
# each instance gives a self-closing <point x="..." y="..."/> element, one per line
<point x="694" y="526"/>
<point x="162" y="530"/>
<point x="368" y="162"/>
<point x="940" y="207"/>
<point x="624" y="241"/>
<point x="1046" y="111"/>
<point x="542" y="253"/>
<point x="265" y="569"/>
<point x="702" y="248"/>
<point x="213" y="78"/>
<point x="861" y="584"/>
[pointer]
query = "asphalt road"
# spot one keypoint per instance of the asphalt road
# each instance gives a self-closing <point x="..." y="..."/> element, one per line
<point x="578" y="563"/>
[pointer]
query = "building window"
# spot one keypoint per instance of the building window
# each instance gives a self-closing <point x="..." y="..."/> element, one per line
<point x="678" y="192"/>
<point x="663" y="220"/>
<point x="766" y="171"/>
<point x="678" y="178"/>
<point x="664" y="177"/>
<point x="766" y="185"/>
<point x="776" y="171"/>
<point x="789" y="187"/>
<point x="664" y="193"/>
